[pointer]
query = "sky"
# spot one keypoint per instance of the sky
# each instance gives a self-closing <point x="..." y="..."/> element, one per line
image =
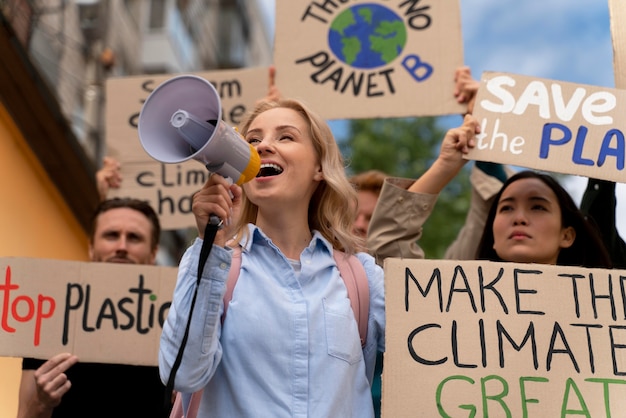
<point x="556" y="39"/>
<point x="563" y="40"/>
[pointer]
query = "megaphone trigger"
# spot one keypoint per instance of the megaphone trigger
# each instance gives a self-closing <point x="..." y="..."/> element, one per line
<point x="182" y="119"/>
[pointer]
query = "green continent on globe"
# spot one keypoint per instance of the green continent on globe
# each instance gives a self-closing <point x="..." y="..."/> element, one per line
<point x="387" y="45"/>
<point x="357" y="31"/>
<point x="351" y="48"/>
<point x="366" y="13"/>
<point x="343" y="21"/>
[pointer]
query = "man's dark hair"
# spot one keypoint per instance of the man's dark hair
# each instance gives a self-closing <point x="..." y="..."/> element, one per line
<point x="139" y="205"/>
<point x="369" y="181"/>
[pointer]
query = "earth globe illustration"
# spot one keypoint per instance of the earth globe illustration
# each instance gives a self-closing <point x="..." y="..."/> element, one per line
<point x="367" y="36"/>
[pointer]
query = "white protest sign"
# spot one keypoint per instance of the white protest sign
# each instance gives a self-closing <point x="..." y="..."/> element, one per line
<point x="478" y="338"/>
<point x="102" y="312"/>
<point x="169" y="187"/>
<point x="370" y="58"/>
<point x="551" y="125"/>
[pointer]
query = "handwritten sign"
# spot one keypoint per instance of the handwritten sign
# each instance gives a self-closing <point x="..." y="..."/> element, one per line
<point x="169" y="187"/>
<point x="366" y="59"/>
<point x="476" y="338"/>
<point x="551" y="125"/>
<point x="103" y="312"/>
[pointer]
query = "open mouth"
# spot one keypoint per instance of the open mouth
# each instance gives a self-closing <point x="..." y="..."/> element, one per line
<point x="268" y="170"/>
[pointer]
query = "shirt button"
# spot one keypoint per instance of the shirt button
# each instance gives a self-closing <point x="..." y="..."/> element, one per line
<point x="596" y="186"/>
<point x="223" y="266"/>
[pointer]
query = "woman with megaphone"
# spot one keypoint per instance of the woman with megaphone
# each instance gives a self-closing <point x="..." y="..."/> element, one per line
<point x="290" y="344"/>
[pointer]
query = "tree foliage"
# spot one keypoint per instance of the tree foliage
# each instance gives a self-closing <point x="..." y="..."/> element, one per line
<point x="406" y="147"/>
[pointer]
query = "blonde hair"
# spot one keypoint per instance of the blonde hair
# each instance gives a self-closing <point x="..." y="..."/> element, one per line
<point x="332" y="206"/>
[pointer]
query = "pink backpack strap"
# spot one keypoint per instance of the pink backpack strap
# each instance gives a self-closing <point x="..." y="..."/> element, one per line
<point x="354" y="277"/>
<point x="192" y="409"/>
<point x="233" y="275"/>
<point x="352" y="272"/>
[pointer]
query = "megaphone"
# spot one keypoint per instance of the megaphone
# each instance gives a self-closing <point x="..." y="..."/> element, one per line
<point x="182" y="119"/>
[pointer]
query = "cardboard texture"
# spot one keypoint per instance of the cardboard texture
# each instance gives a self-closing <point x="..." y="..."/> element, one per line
<point x="102" y="312"/>
<point x="617" y="10"/>
<point x="477" y="338"/>
<point x="551" y="125"/>
<point x="368" y="59"/>
<point x="169" y="187"/>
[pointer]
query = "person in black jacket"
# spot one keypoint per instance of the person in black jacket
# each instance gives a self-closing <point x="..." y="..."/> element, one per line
<point x="598" y="203"/>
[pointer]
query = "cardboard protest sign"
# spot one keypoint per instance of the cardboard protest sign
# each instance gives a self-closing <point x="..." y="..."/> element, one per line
<point x="477" y="338"/>
<point x="617" y="10"/>
<point x="169" y="187"/>
<point x="102" y="312"/>
<point x="551" y="125"/>
<point x="368" y="59"/>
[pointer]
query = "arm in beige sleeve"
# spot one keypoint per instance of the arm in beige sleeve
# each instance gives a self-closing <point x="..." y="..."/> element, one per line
<point x="397" y="221"/>
<point x="404" y="206"/>
<point x="484" y="189"/>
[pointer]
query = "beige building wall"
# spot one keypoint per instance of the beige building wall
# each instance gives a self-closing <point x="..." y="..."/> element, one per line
<point x="34" y="222"/>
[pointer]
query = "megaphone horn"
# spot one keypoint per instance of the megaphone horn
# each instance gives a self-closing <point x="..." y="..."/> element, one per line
<point x="182" y="119"/>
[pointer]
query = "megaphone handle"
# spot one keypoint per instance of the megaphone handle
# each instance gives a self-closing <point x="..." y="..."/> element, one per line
<point x="214" y="221"/>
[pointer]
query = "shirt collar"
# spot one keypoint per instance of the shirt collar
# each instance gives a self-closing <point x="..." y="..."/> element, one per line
<point x="258" y="237"/>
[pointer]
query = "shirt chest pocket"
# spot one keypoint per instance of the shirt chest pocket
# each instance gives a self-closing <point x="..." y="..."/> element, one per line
<point x="342" y="334"/>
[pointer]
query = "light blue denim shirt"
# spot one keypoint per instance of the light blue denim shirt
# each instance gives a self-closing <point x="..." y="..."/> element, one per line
<point x="289" y="346"/>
